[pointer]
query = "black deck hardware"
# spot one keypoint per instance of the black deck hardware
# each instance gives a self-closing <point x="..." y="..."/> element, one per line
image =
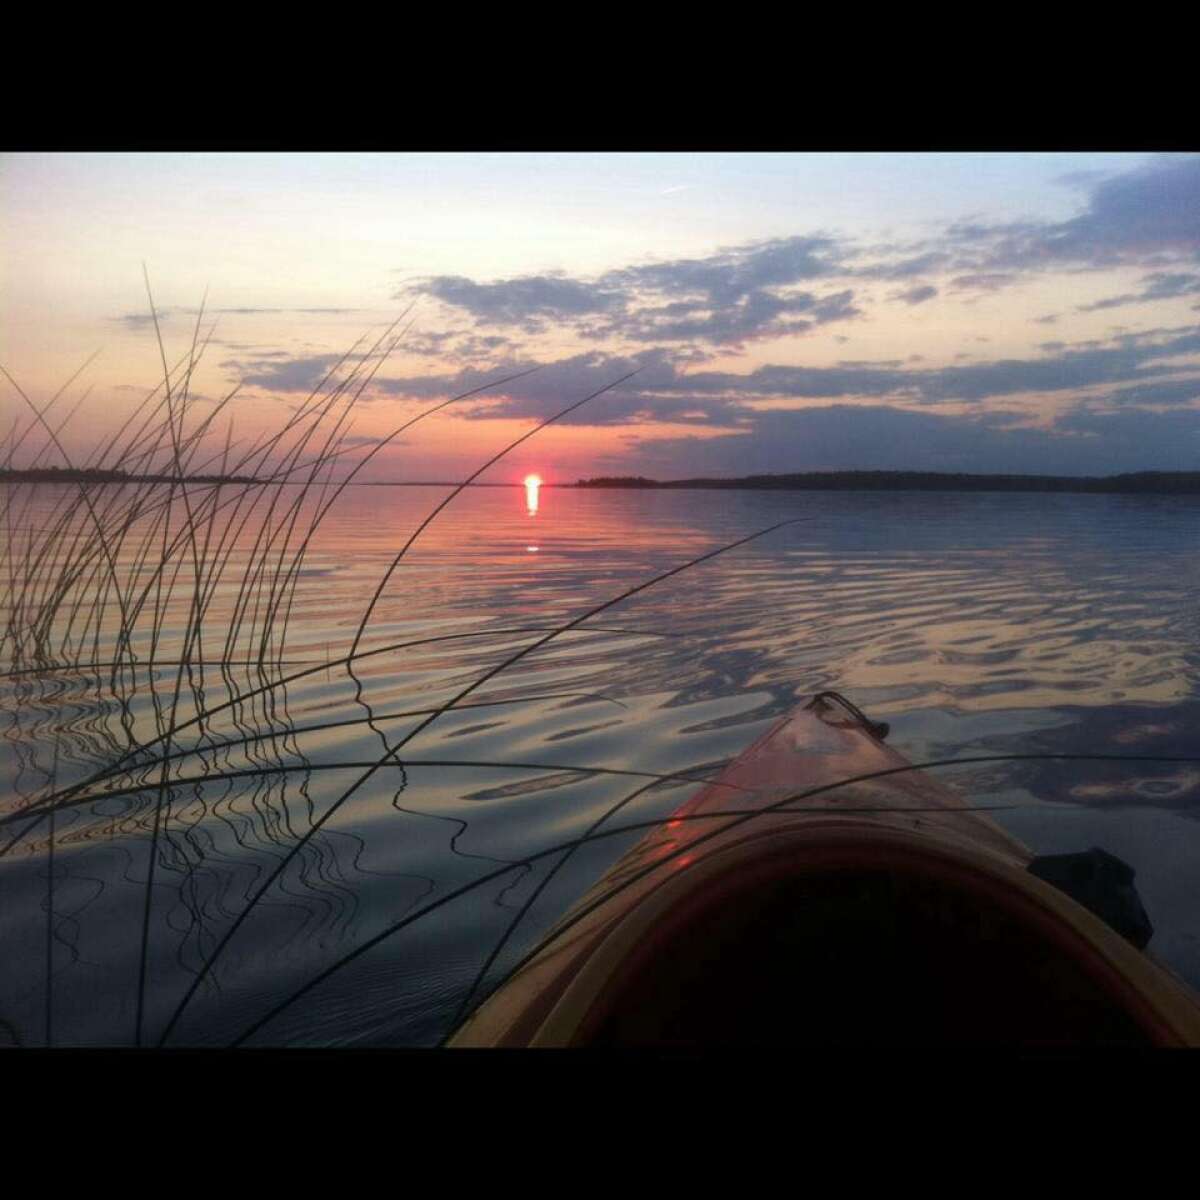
<point x="1103" y="884"/>
<point x="877" y="729"/>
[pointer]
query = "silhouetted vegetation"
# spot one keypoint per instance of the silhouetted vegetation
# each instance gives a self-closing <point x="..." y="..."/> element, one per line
<point x="111" y="475"/>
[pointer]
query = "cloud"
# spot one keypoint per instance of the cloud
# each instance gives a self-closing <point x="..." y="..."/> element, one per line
<point x="856" y="437"/>
<point x="1136" y="216"/>
<point x="257" y="356"/>
<point x="665" y="390"/>
<point x="1086" y="179"/>
<point x="792" y="286"/>
<point x="301" y="374"/>
<point x="145" y="320"/>
<point x="522" y="301"/>
<point x="658" y="393"/>
<point x="904" y="268"/>
<point x="734" y="295"/>
<point x="756" y="314"/>
<point x="984" y="281"/>
<point x="737" y="271"/>
<point x="1165" y="286"/>
<point x="455" y="345"/>
<point x="1156" y="207"/>
<point x="142" y="321"/>
<point x="1159" y="285"/>
<point x="1135" y="440"/>
<point x="1148" y="216"/>
<point x="1063" y="368"/>
<point x="917" y="295"/>
<point x="251" y="310"/>
<point x="1158" y="392"/>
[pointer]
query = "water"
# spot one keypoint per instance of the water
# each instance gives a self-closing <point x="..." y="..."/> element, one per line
<point x="975" y="624"/>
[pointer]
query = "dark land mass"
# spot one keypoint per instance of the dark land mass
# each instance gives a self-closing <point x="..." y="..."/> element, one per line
<point x="87" y="475"/>
<point x="1151" y="482"/>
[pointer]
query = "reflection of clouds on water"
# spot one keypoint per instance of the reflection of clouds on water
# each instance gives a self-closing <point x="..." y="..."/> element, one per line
<point x="1164" y="787"/>
<point x="1117" y="730"/>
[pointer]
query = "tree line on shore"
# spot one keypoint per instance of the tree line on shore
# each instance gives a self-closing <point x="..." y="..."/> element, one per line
<point x="931" y="481"/>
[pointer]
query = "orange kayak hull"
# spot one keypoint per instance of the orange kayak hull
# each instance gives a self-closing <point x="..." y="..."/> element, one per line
<point x="767" y="906"/>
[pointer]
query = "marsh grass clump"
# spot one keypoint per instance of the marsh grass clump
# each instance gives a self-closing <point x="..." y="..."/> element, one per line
<point x="157" y="577"/>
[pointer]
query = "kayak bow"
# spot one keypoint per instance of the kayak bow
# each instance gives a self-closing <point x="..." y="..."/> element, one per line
<point x="878" y="912"/>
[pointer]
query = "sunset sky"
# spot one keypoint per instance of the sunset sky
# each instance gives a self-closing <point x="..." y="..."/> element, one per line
<point x="789" y="312"/>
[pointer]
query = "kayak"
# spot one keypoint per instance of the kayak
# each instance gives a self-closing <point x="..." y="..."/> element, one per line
<point x="782" y="905"/>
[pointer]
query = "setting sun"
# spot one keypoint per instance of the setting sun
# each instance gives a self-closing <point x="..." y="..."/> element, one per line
<point x="532" y="483"/>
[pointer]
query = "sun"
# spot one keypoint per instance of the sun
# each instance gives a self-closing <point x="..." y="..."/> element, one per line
<point x="532" y="483"/>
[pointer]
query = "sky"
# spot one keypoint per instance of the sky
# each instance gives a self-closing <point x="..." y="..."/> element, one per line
<point x="991" y="312"/>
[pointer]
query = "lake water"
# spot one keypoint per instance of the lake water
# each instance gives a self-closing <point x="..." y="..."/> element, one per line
<point x="976" y="624"/>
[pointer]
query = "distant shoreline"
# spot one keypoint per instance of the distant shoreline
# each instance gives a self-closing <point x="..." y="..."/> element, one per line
<point x="85" y="475"/>
<point x="82" y="475"/>
<point x="1135" y="483"/>
<point x="1141" y="482"/>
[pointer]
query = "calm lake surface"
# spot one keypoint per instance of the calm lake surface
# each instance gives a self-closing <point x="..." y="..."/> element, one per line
<point x="974" y="623"/>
